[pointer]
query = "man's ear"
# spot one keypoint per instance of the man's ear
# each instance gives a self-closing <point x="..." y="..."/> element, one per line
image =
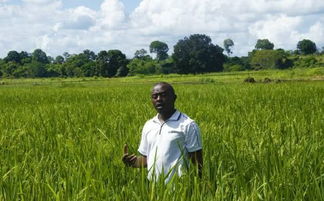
<point x="175" y="97"/>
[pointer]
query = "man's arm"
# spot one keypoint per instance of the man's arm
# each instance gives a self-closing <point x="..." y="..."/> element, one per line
<point x="197" y="159"/>
<point x="132" y="160"/>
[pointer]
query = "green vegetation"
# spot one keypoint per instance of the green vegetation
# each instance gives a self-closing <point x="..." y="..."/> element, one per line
<point x="160" y="48"/>
<point x="62" y="139"/>
<point x="264" y="44"/>
<point x="192" y="55"/>
<point x="197" y="54"/>
<point x="306" y="47"/>
<point x="265" y="59"/>
<point x="228" y="44"/>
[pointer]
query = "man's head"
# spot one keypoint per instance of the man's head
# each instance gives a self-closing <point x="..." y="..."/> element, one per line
<point x="163" y="98"/>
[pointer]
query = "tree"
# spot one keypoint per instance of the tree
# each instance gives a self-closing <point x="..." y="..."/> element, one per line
<point x="265" y="59"/>
<point x="40" y="56"/>
<point x="66" y="55"/>
<point x="160" y="48"/>
<point x="122" y="71"/>
<point x="12" y="56"/>
<point x="80" y="65"/>
<point x="9" y="69"/>
<point x="36" y="69"/>
<point x="2" y="63"/>
<point x="142" y="54"/>
<point x="50" y="59"/>
<point x="54" y="70"/>
<point x="264" y="44"/>
<point x="90" y="54"/>
<point x="308" y="61"/>
<point x="139" y="66"/>
<point x="228" y="43"/>
<point x="306" y="46"/>
<point x="59" y="60"/>
<point x="197" y="54"/>
<point x="116" y="60"/>
<point x="167" y="66"/>
<point x="25" y="57"/>
<point x="88" y="69"/>
<point x="236" y="64"/>
<point x="109" y="62"/>
<point x="102" y="63"/>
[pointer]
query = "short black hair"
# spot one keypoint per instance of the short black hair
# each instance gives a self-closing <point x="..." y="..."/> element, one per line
<point x="170" y="87"/>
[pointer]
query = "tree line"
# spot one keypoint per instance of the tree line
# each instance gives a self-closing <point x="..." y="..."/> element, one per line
<point x="193" y="54"/>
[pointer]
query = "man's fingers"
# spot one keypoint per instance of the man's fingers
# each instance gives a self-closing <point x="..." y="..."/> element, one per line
<point x="125" y="157"/>
<point x="132" y="158"/>
<point x="129" y="160"/>
<point x="125" y="149"/>
<point x="129" y="157"/>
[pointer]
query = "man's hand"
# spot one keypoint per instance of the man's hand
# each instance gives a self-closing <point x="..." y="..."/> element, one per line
<point x="132" y="160"/>
<point x="129" y="160"/>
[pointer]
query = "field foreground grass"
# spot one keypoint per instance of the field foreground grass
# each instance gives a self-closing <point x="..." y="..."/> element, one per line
<point x="64" y="141"/>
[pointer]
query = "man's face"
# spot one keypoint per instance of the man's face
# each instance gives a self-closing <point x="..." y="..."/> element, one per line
<point x="163" y="98"/>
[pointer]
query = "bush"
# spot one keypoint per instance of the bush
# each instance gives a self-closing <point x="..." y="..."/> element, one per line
<point x="249" y="80"/>
<point x="145" y="67"/>
<point x="305" y="61"/>
<point x="269" y="59"/>
<point x="235" y="67"/>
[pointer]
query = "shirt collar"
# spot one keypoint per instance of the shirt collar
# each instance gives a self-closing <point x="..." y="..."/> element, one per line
<point x="174" y="117"/>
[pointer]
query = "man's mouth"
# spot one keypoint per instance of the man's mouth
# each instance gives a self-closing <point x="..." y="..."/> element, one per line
<point x="159" y="106"/>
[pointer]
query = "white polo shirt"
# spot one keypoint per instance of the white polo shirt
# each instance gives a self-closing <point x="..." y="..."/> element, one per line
<point x="166" y="145"/>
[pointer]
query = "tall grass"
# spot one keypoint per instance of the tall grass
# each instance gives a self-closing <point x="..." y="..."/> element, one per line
<point x="64" y="142"/>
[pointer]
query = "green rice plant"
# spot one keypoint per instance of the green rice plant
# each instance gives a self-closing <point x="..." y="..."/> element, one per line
<point x="261" y="141"/>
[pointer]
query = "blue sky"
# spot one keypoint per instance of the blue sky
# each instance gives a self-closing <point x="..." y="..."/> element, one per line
<point x="130" y="5"/>
<point x="58" y="26"/>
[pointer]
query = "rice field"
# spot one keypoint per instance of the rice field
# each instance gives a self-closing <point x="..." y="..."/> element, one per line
<point x="64" y="140"/>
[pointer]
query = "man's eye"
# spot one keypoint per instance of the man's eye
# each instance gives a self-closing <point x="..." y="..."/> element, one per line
<point x="155" y="96"/>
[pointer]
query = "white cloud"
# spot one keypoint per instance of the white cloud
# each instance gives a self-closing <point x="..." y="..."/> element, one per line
<point x="316" y="33"/>
<point x="111" y="14"/>
<point x="281" y="30"/>
<point x="281" y="21"/>
<point x="79" y="18"/>
<point x="43" y="43"/>
<point x="178" y="16"/>
<point x="48" y="25"/>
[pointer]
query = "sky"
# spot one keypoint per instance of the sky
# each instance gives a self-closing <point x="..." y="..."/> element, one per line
<point x="58" y="26"/>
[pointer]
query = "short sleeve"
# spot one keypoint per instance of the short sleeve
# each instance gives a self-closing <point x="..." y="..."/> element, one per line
<point x="193" y="138"/>
<point x="143" y="147"/>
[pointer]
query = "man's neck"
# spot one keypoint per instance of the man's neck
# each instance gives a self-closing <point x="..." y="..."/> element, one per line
<point x="165" y="116"/>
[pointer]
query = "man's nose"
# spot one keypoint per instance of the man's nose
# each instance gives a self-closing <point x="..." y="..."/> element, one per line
<point x="159" y="97"/>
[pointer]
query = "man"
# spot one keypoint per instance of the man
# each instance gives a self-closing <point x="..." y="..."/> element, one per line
<point x="168" y="140"/>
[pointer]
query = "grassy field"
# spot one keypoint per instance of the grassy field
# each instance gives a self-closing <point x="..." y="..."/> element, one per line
<point x="62" y="139"/>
